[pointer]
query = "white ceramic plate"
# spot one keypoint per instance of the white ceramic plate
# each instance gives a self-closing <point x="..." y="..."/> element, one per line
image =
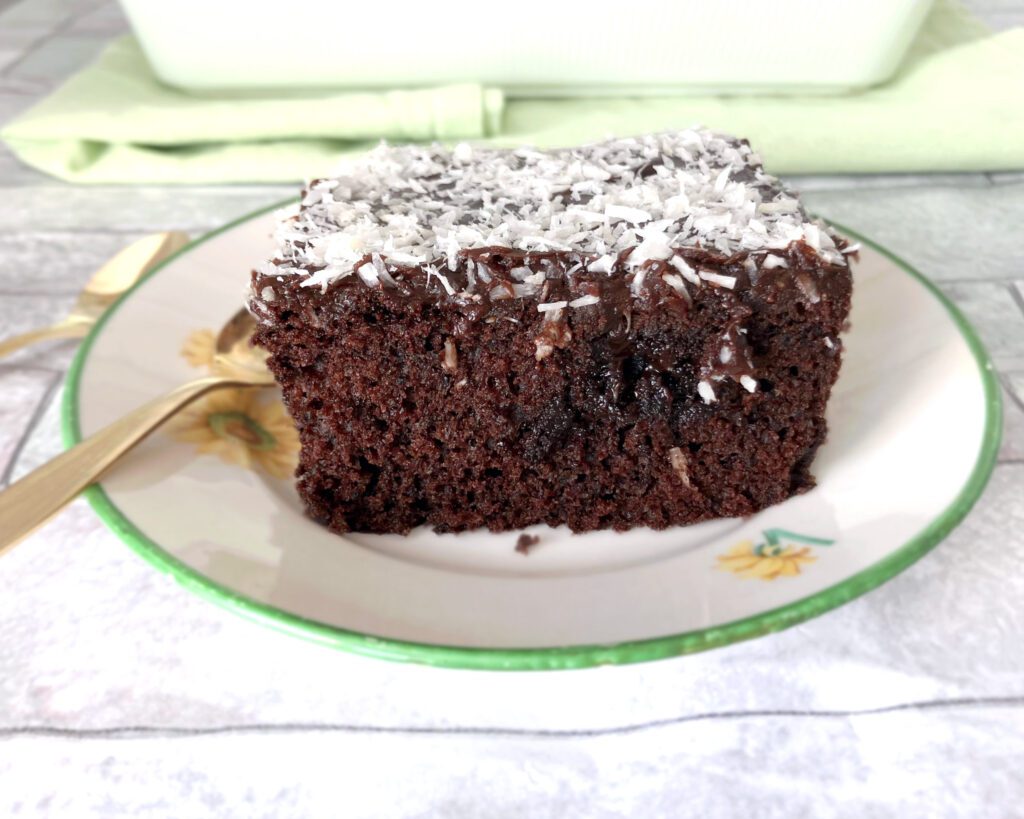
<point x="914" y="427"/>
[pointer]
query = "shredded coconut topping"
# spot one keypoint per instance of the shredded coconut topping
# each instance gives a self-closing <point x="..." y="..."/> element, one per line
<point x="584" y="301"/>
<point x="627" y="201"/>
<point x="718" y="278"/>
<point x="679" y="465"/>
<point x="451" y="356"/>
<point x="706" y="391"/>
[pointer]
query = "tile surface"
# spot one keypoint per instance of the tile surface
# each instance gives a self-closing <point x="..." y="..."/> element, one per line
<point x="24" y="392"/>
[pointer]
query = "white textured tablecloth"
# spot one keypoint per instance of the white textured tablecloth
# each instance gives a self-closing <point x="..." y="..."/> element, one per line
<point x="123" y="695"/>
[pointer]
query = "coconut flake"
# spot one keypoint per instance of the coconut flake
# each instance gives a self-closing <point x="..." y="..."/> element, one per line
<point x="368" y="274"/>
<point x="706" y="391"/>
<point x="451" y="356"/>
<point x="602" y="265"/>
<point x="676" y="283"/>
<point x="447" y="285"/>
<point x="808" y="288"/>
<point x="772" y="261"/>
<point x="748" y="383"/>
<point x="679" y="465"/>
<point x="553" y="333"/>
<point x="655" y="245"/>
<point x="638" y="281"/>
<point x="584" y="301"/>
<point x="722" y="180"/>
<point x="633" y="215"/>
<point x="812" y="235"/>
<point x="718" y="278"/>
<point x="407" y="259"/>
<point x="680" y="264"/>
<point x="547" y="307"/>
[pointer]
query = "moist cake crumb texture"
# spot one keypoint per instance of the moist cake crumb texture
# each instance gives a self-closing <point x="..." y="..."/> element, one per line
<point x="637" y="332"/>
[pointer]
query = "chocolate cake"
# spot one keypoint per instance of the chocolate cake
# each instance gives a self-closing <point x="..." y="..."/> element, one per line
<point x="640" y="332"/>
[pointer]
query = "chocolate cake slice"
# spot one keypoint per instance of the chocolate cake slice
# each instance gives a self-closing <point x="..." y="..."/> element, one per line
<point x="640" y="332"/>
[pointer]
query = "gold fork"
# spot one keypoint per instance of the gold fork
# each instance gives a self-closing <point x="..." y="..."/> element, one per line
<point x="104" y="288"/>
<point x="38" y="496"/>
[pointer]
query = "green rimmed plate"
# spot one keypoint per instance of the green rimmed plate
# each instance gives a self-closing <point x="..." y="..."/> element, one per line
<point x="915" y="424"/>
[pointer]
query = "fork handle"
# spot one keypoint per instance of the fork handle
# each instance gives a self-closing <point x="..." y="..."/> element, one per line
<point x="27" y="504"/>
<point x="69" y="328"/>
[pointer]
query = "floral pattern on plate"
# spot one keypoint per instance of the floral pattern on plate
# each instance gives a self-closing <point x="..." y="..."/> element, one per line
<point x="240" y="426"/>
<point x="773" y="557"/>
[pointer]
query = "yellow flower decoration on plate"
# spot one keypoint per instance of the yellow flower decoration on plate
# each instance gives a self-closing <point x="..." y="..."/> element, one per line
<point x="240" y="429"/>
<point x="772" y="558"/>
<point x="240" y="426"/>
<point x="199" y="348"/>
<point x="777" y="561"/>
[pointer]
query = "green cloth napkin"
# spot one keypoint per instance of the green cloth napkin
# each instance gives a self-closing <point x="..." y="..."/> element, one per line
<point x="956" y="104"/>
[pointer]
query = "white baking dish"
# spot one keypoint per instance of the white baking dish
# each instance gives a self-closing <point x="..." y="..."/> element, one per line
<point x="531" y="46"/>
